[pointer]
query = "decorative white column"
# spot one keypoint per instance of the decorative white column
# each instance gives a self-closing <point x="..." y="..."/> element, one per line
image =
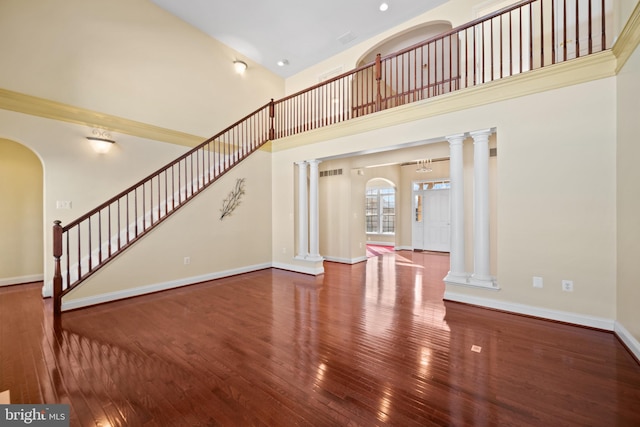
<point x="481" y="244"/>
<point x="303" y="211"/>
<point x="457" y="270"/>
<point x="314" y="212"/>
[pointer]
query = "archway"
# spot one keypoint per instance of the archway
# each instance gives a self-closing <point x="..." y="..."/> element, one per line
<point x="21" y="214"/>
<point x="419" y="72"/>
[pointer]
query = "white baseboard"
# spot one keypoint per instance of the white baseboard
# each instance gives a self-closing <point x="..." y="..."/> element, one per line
<point x="128" y="293"/>
<point x="346" y="260"/>
<point x="404" y="248"/>
<point x="373" y="242"/>
<point x="529" y="310"/>
<point x="21" y="279"/>
<point x="628" y="339"/>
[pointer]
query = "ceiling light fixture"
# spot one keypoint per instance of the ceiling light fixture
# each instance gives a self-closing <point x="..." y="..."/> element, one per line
<point x="101" y="141"/>
<point x="283" y="62"/>
<point x="384" y="7"/>
<point x="240" y="66"/>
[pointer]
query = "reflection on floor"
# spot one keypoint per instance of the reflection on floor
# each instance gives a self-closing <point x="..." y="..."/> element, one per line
<point x="364" y="345"/>
<point x="375" y="250"/>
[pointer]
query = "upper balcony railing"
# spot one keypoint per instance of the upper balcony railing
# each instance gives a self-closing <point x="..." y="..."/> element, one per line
<point x="528" y="35"/>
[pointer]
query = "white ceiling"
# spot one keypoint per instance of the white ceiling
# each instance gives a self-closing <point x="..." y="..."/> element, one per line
<point x="301" y="31"/>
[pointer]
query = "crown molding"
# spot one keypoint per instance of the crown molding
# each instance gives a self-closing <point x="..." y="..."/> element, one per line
<point x="40" y="107"/>
<point x="629" y="39"/>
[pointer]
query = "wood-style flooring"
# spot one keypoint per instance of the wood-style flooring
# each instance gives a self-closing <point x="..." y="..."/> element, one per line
<point x="363" y="345"/>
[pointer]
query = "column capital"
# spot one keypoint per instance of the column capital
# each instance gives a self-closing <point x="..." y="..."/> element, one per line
<point x="314" y="162"/>
<point x="301" y="163"/>
<point x="456" y="139"/>
<point x="481" y="135"/>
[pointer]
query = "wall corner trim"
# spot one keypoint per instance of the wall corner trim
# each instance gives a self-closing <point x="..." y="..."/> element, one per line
<point x="629" y="340"/>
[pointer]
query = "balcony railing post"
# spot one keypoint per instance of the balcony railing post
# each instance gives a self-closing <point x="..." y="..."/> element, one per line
<point x="57" y="275"/>
<point x="272" y="115"/>
<point x="378" y="71"/>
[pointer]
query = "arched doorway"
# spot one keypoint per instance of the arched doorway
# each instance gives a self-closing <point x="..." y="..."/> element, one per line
<point x="380" y="212"/>
<point x="21" y="214"/>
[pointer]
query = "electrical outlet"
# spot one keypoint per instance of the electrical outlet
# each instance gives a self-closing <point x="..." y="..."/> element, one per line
<point x="63" y="204"/>
<point x="567" y="285"/>
<point x="187" y="260"/>
<point x="537" y="282"/>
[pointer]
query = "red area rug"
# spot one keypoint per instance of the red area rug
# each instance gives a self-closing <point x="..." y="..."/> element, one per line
<point x="375" y="250"/>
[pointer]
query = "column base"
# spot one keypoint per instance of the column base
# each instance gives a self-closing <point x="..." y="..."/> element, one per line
<point x="464" y="279"/>
<point x="483" y="282"/>
<point x="456" y="278"/>
<point x="310" y="258"/>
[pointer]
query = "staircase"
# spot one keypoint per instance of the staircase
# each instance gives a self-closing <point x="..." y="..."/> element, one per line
<point x="528" y="35"/>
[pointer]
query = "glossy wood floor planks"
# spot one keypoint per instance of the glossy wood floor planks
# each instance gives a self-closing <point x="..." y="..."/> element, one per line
<point x="362" y="345"/>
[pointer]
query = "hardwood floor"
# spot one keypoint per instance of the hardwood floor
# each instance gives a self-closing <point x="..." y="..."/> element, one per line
<point x="369" y="344"/>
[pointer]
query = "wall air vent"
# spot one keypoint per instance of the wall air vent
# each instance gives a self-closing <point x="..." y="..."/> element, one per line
<point x="330" y="173"/>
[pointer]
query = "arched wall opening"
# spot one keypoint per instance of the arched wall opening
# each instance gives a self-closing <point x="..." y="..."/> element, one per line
<point x="21" y="214"/>
<point x="410" y="70"/>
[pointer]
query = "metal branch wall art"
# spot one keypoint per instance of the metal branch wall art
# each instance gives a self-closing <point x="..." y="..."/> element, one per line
<point x="233" y="199"/>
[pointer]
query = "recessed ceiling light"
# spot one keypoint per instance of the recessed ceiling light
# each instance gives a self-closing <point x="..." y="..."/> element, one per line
<point x="283" y="62"/>
<point x="384" y="7"/>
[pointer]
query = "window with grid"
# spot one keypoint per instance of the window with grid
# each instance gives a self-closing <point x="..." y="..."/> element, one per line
<point x="381" y="210"/>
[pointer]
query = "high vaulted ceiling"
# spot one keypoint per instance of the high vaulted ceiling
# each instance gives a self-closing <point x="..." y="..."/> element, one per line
<point x="302" y="32"/>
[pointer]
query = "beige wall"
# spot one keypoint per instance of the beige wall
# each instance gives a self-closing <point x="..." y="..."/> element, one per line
<point x="553" y="218"/>
<point x="74" y="172"/>
<point x="628" y="196"/>
<point x="213" y="245"/>
<point x="20" y="214"/>
<point x="127" y="58"/>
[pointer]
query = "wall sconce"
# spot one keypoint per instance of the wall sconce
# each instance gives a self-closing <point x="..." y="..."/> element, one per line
<point x="240" y="66"/>
<point x="101" y="141"/>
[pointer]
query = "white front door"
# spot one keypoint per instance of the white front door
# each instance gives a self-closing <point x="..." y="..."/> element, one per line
<point x="431" y="223"/>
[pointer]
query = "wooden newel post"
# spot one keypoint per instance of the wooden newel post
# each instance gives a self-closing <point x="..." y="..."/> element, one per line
<point x="378" y="72"/>
<point x="272" y="115"/>
<point x="57" y="275"/>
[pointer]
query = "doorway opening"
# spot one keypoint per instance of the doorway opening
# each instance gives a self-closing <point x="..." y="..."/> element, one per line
<point x="431" y="227"/>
